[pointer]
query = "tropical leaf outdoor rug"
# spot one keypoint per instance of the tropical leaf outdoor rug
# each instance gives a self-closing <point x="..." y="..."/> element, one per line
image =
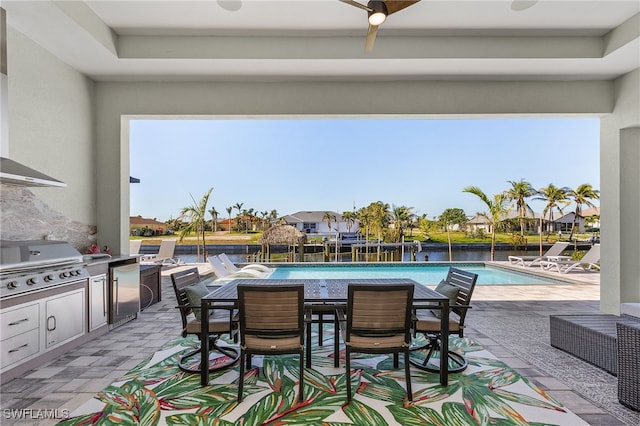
<point x="488" y="392"/>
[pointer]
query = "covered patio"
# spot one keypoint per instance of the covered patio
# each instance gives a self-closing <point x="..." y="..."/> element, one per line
<point x="79" y="72"/>
<point x="108" y="63"/>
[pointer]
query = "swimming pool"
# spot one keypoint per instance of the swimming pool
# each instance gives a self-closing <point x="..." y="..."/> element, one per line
<point x="424" y="273"/>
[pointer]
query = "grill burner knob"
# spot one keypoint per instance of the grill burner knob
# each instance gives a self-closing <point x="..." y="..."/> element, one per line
<point x="64" y="275"/>
<point x="48" y="278"/>
<point x="13" y="284"/>
<point x="32" y="281"/>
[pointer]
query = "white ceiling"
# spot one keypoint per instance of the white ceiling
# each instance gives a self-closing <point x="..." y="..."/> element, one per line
<point x="236" y="40"/>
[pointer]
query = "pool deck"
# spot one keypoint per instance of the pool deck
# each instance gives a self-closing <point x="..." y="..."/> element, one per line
<point x="578" y="285"/>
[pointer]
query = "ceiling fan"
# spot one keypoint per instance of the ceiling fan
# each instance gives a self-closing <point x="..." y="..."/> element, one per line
<point x="378" y="12"/>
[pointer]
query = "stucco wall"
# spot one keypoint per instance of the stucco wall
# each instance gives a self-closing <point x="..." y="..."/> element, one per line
<point x="51" y="125"/>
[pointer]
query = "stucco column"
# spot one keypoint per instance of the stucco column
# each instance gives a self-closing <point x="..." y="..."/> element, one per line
<point x="620" y="196"/>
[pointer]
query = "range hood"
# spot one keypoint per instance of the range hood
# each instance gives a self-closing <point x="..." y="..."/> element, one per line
<point x="12" y="172"/>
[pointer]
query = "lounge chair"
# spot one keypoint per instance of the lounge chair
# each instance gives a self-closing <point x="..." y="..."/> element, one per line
<point x="164" y="256"/>
<point x="231" y="267"/>
<point x="590" y="262"/>
<point x="223" y="273"/>
<point x="553" y="251"/>
<point x="134" y="246"/>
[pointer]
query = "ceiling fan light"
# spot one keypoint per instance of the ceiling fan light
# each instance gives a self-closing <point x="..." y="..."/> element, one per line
<point x="378" y="12"/>
<point x="377" y="18"/>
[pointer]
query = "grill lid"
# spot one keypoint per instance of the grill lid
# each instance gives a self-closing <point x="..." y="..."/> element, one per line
<point x="28" y="254"/>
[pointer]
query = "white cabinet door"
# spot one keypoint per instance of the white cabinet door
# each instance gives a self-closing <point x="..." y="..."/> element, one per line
<point x="97" y="301"/>
<point x="65" y="317"/>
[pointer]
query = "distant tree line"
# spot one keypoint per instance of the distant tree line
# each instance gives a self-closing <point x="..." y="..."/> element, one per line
<point x="390" y="223"/>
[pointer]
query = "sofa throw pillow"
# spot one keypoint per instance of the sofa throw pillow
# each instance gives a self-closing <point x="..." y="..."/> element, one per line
<point x="195" y="292"/>
<point x="446" y="289"/>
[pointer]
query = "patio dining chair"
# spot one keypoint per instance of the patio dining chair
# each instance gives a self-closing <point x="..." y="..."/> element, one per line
<point x="272" y="322"/>
<point x="189" y="290"/>
<point x="458" y="286"/>
<point x="377" y="321"/>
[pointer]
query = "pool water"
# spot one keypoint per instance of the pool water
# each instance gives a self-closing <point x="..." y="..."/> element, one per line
<point x="428" y="274"/>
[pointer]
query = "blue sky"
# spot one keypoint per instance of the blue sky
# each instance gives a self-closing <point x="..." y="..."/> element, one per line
<point x="319" y="164"/>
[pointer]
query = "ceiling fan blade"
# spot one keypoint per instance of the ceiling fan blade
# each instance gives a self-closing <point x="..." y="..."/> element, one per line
<point x="230" y="5"/>
<point x="519" y="5"/>
<point x="371" y="38"/>
<point x="394" y="6"/>
<point x="356" y="4"/>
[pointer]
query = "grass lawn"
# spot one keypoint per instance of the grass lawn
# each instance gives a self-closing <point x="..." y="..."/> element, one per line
<point x="224" y="237"/>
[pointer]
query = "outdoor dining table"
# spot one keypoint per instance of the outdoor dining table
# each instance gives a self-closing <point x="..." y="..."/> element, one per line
<point x="321" y="293"/>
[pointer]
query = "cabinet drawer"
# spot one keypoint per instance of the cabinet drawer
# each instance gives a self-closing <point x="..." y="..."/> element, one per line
<point x="20" y="347"/>
<point x="19" y="320"/>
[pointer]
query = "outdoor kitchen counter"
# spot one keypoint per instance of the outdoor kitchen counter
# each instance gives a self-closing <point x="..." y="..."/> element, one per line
<point x="112" y="259"/>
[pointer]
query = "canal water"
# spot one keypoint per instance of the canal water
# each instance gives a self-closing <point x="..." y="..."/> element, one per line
<point x="425" y="255"/>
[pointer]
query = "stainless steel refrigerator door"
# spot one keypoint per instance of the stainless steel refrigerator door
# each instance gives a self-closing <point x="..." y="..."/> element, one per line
<point x="125" y="292"/>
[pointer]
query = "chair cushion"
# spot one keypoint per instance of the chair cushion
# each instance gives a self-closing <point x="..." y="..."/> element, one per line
<point x="427" y="322"/>
<point x="376" y="342"/>
<point x="195" y="293"/>
<point x="266" y="344"/>
<point x="446" y="289"/>
<point x="216" y="325"/>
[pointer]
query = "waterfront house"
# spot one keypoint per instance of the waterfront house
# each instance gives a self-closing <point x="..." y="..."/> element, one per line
<point x="316" y="224"/>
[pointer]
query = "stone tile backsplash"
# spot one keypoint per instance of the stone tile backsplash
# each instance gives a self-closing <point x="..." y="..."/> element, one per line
<point x="24" y="217"/>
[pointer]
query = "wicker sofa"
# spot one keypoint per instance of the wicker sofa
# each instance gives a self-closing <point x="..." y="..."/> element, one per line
<point x="608" y="341"/>
<point x="629" y="365"/>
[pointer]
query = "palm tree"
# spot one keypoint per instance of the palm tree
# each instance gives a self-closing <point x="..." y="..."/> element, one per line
<point x="214" y="218"/>
<point x="583" y="194"/>
<point x="517" y="194"/>
<point x="248" y="217"/>
<point x="364" y="216"/>
<point x="555" y="198"/>
<point x="451" y="217"/>
<point x="402" y="216"/>
<point x="264" y="216"/>
<point x="380" y="217"/>
<point x="229" y="210"/>
<point x="239" y="207"/>
<point x="350" y="218"/>
<point x="497" y="211"/>
<point x="195" y="214"/>
<point x="329" y="217"/>
<point x="273" y="216"/>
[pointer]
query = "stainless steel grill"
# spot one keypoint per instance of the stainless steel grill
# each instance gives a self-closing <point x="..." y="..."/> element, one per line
<point x="35" y="265"/>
